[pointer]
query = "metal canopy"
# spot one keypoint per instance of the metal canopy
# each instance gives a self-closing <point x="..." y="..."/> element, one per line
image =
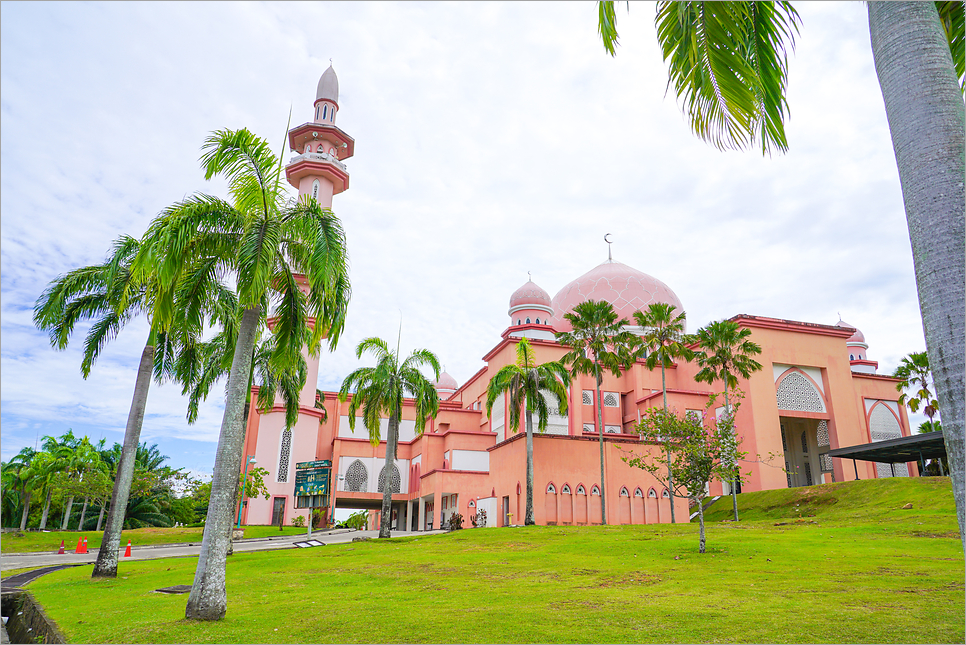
<point x="895" y="451"/>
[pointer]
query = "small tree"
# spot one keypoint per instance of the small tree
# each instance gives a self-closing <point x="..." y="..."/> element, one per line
<point x="695" y="452"/>
<point x="917" y="377"/>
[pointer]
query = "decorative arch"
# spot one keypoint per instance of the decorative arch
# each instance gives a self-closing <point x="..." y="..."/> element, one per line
<point x="665" y="494"/>
<point x="565" y="490"/>
<point x="797" y="392"/>
<point x="581" y="490"/>
<point x="357" y="477"/>
<point x="651" y="493"/>
<point x="883" y="425"/>
<point x="394" y="479"/>
<point x="624" y="492"/>
<point x="551" y="489"/>
<point x="472" y="504"/>
<point x="519" y="489"/>
<point x="638" y="492"/>
<point x="595" y="490"/>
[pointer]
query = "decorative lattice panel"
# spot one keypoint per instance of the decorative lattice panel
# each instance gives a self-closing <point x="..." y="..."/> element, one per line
<point x="821" y="434"/>
<point x="808" y="473"/>
<point x="612" y="429"/>
<point x="284" y="455"/>
<point x="556" y="423"/>
<point x="612" y="400"/>
<point x="565" y="490"/>
<point x="589" y="427"/>
<point x="805" y="442"/>
<point x="394" y="479"/>
<point x="784" y="441"/>
<point x="826" y="461"/>
<point x="883" y="425"/>
<point x="588" y="397"/>
<point x="357" y="478"/>
<point x="795" y="392"/>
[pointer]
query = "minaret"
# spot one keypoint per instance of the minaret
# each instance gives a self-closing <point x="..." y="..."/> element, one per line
<point x="321" y="146"/>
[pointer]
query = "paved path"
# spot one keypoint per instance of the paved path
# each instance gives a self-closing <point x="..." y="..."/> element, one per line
<point x="9" y="561"/>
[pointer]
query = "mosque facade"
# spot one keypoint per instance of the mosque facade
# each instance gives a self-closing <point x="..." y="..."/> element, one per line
<point x="818" y="390"/>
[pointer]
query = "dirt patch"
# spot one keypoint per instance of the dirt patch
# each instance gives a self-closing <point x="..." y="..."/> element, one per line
<point x="568" y="605"/>
<point x="633" y="579"/>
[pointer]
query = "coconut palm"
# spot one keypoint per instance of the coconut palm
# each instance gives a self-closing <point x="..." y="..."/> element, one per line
<point x="598" y="343"/>
<point x="265" y="241"/>
<point x="725" y="354"/>
<point x="379" y="391"/>
<point x="663" y="340"/>
<point x="112" y="294"/>
<point x="21" y="477"/>
<point x="915" y="374"/>
<point x="526" y="381"/>
<point x="727" y="62"/>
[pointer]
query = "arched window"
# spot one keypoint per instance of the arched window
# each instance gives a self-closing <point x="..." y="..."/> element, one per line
<point x="324" y="108"/>
<point x="528" y="320"/>
<point x="804" y="443"/>
<point x="472" y="504"/>
<point x="638" y="493"/>
<point x="332" y="115"/>
<point x="551" y="490"/>
<point x="851" y="357"/>
<point x="652" y="493"/>
<point x="519" y="490"/>
<point x="394" y="480"/>
<point x="624" y="492"/>
<point x="332" y="151"/>
<point x="356" y="478"/>
<point x="316" y="112"/>
<point x="308" y="147"/>
<point x="518" y="322"/>
<point x="538" y="321"/>
<point x="315" y="190"/>
<point x="581" y="490"/>
<point x="664" y="494"/>
<point x="565" y="490"/>
<point x="321" y="148"/>
<point x="595" y="490"/>
<point x="860" y="357"/>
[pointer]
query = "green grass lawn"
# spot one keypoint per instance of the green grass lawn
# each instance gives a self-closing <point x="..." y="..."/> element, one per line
<point x="885" y="576"/>
<point x="35" y="541"/>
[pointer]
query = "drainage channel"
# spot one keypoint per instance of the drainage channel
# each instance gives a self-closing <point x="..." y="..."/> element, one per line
<point x="24" y="620"/>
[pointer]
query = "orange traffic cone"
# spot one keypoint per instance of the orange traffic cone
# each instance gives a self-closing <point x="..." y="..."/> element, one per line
<point x="127" y="551"/>
<point x="85" y="545"/>
<point x="80" y="546"/>
<point x="61" y="550"/>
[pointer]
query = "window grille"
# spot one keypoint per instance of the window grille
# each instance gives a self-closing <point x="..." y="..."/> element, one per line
<point x="612" y="429"/>
<point x="556" y="423"/>
<point x="883" y="425"/>
<point x="394" y="481"/>
<point x="795" y="392"/>
<point x="664" y="494"/>
<point x="826" y="462"/>
<point x="581" y="490"/>
<point x="624" y="492"/>
<point x="808" y="473"/>
<point x="595" y="490"/>
<point x="784" y="442"/>
<point x="804" y="443"/>
<point x="612" y="400"/>
<point x="565" y="490"/>
<point x="652" y="493"/>
<point x="284" y="455"/>
<point x="638" y="493"/>
<point x="821" y="434"/>
<point x="588" y="397"/>
<point x="589" y="427"/>
<point x="357" y="478"/>
<point x="551" y="489"/>
<point x="472" y="504"/>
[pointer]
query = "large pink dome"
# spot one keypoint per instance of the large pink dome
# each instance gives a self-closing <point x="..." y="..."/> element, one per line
<point x="529" y="294"/>
<point x="446" y="382"/>
<point x="857" y="337"/>
<point x="626" y="288"/>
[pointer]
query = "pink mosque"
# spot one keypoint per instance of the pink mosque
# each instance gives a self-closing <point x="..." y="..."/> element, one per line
<point x="818" y="391"/>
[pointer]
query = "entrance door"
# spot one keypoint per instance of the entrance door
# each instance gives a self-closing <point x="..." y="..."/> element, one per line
<point x="278" y="510"/>
<point x="506" y="511"/>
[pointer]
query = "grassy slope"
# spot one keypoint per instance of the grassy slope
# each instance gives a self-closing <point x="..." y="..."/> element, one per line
<point x="860" y="576"/>
<point x="36" y="541"/>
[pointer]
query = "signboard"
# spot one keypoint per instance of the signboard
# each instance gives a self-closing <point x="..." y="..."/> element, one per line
<point x="321" y="463"/>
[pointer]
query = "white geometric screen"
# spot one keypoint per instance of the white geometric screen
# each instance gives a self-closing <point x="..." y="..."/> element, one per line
<point x="556" y="422"/>
<point x="883" y="425"/>
<point x="589" y="427"/>
<point x="357" y="478"/>
<point x="284" y="455"/>
<point x="821" y="434"/>
<point x="796" y="392"/>
<point x="498" y="414"/>
<point x="394" y="481"/>
<point x="588" y="397"/>
<point x="612" y="429"/>
<point x="612" y="400"/>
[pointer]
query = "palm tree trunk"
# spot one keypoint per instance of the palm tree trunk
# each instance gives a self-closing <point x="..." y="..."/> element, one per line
<point x="600" y="434"/>
<point x="43" y="519"/>
<point x="80" y="525"/>
<point x="106" y="565"/>
<point x="926" y="116"/>
<point x="208" y="599"/>
<point x="70" y="506"/>
<point x="528" y="519"/>
<point x="391" y="441"/>
<point x="667" y="449"/>
<point x="733" y="456"/>
<point x="26" y="511"/>
<point x="100" y="519"/>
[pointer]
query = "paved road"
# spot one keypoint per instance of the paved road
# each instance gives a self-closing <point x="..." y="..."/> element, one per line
<point x="10" y="561"/>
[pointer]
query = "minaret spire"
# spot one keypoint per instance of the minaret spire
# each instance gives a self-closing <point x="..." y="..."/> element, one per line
<point x="609" y="257"/>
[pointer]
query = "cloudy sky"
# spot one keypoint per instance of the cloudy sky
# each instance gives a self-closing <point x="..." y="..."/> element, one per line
<point x="491" y="140"/>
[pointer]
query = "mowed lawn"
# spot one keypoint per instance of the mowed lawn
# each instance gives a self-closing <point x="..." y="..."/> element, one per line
<point x="877" y="573"/>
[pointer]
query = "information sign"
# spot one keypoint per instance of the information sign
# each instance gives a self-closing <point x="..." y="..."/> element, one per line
<point x="321" y="463"/>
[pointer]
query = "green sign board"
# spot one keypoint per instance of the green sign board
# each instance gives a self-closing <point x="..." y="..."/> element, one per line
<point x="321" y="463"/>
<point x="312" y="481"/>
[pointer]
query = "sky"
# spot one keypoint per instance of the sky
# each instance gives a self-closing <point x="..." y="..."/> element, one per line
<point x="491" y="140"/>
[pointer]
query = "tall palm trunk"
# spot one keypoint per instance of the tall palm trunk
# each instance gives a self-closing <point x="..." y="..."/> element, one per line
<point x="80" y="525"/>
<point x="391" y="442"/>
<point x="26" y="510"/>
<point x="925" y="110"/>
<point x="600" y="435"/>
<point x="670" y="477"/>
<point x="528" y="519"/>
<point x="70" y="506"/>
<point x="106" y="565"/>
<point x="100" y="519"/>
<point x="43" y="519"/>
<point x="208" y="599"/>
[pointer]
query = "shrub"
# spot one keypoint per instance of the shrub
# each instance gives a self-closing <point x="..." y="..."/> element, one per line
<point x="299" y="521"/>
<point x="455" y="522"/>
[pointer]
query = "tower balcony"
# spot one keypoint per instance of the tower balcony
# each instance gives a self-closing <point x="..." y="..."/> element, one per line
<point x="319" y="164"/>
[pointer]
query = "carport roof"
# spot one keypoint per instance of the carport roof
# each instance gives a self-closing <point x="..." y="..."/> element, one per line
<point x="926" y="446"/>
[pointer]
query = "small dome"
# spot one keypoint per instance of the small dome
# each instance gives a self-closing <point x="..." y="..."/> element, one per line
<point x="626" y="288"/>
<point x="446" y="382"/>
<point x="857" y="337"/>
<point x="529" y="294"/>
<point x="328" y="86"/>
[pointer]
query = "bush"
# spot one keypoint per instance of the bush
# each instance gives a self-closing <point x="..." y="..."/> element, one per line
<point x="299" y="521"/>
<point x="455" y="522"/>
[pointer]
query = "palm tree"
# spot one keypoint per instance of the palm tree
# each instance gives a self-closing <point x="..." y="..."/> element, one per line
<point x="664" y="340"/>
<point x="727" y="61"/>
<point x="379" y="391"/>
<point x="112" y="294"/>
<point x="725" y="354"/>
<point x="525" y="381"/>
<point x="914" y="372"/>
<point x="598" y="342"/>
<point x="22" y="477"/>
<point x="266" y="241"/>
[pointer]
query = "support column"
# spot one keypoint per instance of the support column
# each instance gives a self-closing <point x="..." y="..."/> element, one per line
<point x="437" y="509"/>
<point x="409" y="515"/>
<point x="422" y="514"/>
